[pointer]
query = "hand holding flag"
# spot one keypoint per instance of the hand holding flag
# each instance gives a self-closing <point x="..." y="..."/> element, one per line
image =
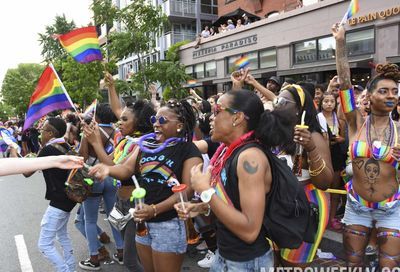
<point x="352" y="9"/>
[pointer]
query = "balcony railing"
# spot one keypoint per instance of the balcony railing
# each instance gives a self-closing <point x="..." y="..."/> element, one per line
<point x="175" y="37"/>
<point x="183" y="8"/>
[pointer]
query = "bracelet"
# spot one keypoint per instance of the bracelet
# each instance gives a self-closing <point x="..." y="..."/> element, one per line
<point x="315" y="160"/>
<point x="207" y="213"/>
<point x="316" y="172"/>
<point x="155" y="209"/>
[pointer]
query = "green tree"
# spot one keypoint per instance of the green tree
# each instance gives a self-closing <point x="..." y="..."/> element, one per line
<point x="6" y="111"/>
<point x="19" y="84"/>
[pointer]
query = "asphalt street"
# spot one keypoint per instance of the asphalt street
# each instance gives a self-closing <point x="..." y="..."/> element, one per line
<point x="23" y="204"/>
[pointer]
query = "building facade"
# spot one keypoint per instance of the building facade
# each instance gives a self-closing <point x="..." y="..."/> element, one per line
<point x="298" y="44"/>
<point x="186" y="17"/>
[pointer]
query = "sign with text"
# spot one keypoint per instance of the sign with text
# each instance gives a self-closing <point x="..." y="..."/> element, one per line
<point x="372" y="16"/>
<point x="225" y="46"/>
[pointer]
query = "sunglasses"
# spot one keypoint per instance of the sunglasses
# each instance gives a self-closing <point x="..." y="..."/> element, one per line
<point x="281" y="101"/>
<point x="218" y="108"/>
<point x="162" y="120"/>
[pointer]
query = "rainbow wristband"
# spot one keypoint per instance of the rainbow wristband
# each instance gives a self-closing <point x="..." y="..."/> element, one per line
<point x="347" y="100"/>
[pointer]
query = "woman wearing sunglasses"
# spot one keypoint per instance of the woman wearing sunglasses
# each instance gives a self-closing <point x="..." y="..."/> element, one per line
<point x="317" y="172"/>
<point x="166" y="154"/>
<point x="238" y="202"/>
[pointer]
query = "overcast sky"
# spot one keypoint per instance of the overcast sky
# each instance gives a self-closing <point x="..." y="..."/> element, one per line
<point x="22" y="20"/>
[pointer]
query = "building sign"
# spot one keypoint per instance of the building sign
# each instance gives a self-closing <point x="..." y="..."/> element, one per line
<point x="377" y="15"/>
<point x="225" y="46"/>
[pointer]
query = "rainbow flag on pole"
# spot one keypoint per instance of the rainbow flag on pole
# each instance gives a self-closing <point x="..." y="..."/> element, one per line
<point x="351" y="10"/>
<point x="82" y="44"/>
<point x="91" y="108"/>
<point x="242" y="62"/>
<point x="49" y="95"/>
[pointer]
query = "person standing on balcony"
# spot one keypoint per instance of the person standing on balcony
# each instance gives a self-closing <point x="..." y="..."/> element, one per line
<point x="206" y="32"/>
<point x="230" y="26"/>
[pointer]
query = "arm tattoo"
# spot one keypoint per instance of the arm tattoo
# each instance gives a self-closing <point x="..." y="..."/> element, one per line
<point x="342" y="65"/>
<point x="249" y="168"/>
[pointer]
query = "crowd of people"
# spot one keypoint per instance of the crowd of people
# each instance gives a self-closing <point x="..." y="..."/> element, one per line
<point x="334" y="136"/>
<point x="229" y="25"/>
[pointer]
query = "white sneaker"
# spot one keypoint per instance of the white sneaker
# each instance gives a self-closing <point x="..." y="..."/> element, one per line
<point x="207" y="261"/>
<point x="202" y="246"/>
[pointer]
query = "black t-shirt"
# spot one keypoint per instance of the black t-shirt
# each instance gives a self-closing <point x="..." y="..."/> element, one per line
<point x="55" y="181"/>
<point x="212" y="147"/>
<point x="156" y="169"/>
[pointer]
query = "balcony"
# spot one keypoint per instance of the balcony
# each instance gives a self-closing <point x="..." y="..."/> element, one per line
<point x="171" y="38"/>
<point x="180" y="8"/>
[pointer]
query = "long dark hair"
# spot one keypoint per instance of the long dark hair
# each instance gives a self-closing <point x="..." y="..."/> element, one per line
<point x="186" y="115"/>
<point x="142" y="112"/>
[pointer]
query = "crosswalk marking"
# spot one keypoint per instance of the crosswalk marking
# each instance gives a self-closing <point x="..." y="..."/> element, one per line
<point x="23" y="256"/>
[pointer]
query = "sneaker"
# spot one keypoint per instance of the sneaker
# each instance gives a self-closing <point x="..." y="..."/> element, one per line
<point x="118" y="259"/>
<point x="103" y="254"/>
<point x="202" y="246"/>
<point x="88" y="265"/>
<point x="207" y="261"/>
<point x="104" y="238"/>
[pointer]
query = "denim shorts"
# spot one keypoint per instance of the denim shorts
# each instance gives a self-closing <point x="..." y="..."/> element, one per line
<point x="168" y="236"/>
<point x="259" y="264"/>
<point x="385" y="217"/>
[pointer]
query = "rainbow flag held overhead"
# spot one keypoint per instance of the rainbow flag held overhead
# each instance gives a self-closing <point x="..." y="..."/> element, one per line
<point x="82" y="44"/>
<point x="49" y="95"/>
<point x="242" y="62"/>
<point x="91" y="108"/>
<point x="351" y="10"/>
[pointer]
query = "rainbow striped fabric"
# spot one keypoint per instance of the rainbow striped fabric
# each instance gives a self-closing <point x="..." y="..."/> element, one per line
<point x="191" y="83"/>
<point x="242" y="62"/>
<point x="82" y="44"/>
<point x="347" y="100"/>
<point x="353" y="8"/>
<point x="48" y="96"/>
<point x="91" y="108"/>
<point x="6" y="139"/>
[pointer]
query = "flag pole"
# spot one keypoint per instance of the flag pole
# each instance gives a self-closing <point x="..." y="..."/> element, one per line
<point x="64" y="90"/>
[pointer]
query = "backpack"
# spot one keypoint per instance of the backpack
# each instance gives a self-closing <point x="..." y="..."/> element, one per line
<point x="78" y="186"/>
<point x="289" y="218"/>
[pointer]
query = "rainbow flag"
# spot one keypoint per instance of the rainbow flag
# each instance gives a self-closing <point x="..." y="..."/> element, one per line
<point x="191" y="83"/>
<point x="91" y="108"/>
<point x="82" y="44"/>
<point x="49" y="95"/>
<point x="7" y="139"/>
<point x="351" y="10"/>
<point x="242" y="62"/>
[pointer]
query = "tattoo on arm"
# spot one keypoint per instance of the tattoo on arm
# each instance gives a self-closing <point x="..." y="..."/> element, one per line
<point x="249" y="168"/>
<point x="342" y="65"/>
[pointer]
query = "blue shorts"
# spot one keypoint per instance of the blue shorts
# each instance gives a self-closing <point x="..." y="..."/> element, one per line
<point x="168" y="236"/>
<point x="259" y="264"/>
<point x="385" y="217"/>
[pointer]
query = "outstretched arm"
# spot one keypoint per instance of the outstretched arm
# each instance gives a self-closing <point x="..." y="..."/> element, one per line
<point x="115" y="103"/>
<point x="12" y="166"/>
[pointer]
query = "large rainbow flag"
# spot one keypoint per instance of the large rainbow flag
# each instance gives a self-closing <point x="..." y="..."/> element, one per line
<point x="48" y="96"/>
<point x="82" y="44"/>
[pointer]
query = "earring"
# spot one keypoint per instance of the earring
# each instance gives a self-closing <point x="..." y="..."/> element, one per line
<point x="234" y="124"/>
<point x="178" y="130"/>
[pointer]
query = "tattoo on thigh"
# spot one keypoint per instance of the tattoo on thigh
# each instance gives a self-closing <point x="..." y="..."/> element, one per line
<point x="249" y="168"/>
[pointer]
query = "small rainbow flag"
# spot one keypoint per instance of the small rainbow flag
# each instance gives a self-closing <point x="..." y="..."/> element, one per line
<point x="82" y="44"/>
<point x="91" y="108"/>
<point x="242" y="62"/>
<point x="49" y="95"/>
<point x="352" y="9"/>
<point x="191" y="83"/>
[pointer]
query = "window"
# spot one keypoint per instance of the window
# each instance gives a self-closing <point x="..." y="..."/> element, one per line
<point x="209" y="6"/>
<point x="199" y="70"/>
<point x="268" y="58"/>
<point x="211" y="69"/>
<point x="360" y="42"/>
<point x="189" y="70"/>
<point x="326" y="48"/>
<point x="305" y="52"/>
<point x="253" y="59"/>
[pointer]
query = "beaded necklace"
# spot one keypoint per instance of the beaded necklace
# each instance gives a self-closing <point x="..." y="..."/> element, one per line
<point x="152" y="148"/>
<point x="376" y="146"/>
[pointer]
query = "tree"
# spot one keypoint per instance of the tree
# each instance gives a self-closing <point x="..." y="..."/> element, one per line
<point x="19" y="84"/>
<point x="6" y="111"/>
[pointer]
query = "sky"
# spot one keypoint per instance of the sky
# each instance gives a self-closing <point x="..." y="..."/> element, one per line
<point x="22" y="20"/>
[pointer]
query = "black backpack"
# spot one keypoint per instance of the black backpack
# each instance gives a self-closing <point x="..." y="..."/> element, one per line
<point x="289" y="218"/>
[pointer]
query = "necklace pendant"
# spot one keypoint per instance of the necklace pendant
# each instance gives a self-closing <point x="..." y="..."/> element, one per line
<point x="377" y="144"/>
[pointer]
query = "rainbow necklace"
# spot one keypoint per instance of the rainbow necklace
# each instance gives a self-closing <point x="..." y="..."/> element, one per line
<point x="152" y="148"/>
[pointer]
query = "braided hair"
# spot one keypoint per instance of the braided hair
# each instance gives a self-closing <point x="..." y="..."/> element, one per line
<point x="384" y="71"/>
<point x="186" y="115"/>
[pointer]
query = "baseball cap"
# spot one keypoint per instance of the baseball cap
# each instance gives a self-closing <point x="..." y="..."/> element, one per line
<point x="275" y="79"/>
